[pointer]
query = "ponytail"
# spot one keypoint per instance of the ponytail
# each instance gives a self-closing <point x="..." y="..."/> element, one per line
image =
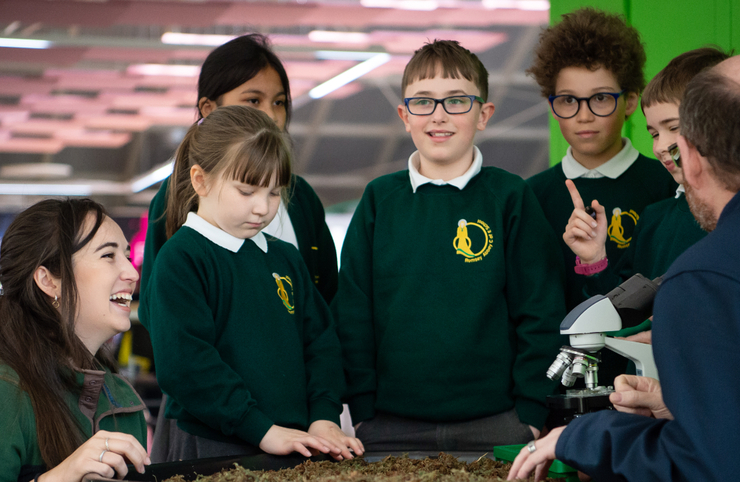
<point x="181" y="197"/>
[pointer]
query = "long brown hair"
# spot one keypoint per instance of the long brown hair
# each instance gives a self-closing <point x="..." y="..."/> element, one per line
<point x="37" y="340"/>
<point x="236" y="142"/>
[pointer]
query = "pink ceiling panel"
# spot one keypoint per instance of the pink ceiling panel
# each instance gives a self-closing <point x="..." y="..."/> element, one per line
<point x="31" y="146"/>
<point x="94" y="14"/>
<point x="409" y="42"/>
<point x="170" y="116"/>
<point x="459" y="17"/>
<point x="200" y="14"/>
<point x="40" y="126"/>
<point x="190" y="54"/>
<point x="12" y="115"/>
<point x="394" y="67"/>
<point x="132" y="123"/>
<point x="348" y="16"/>
<point x="10" y="85"/>
<point x="265" y="14"/>
<point x="61" y="104"/>
<point x="62" y="56"/>
<point x="284" y="40"/>
<point x="159" y="56"/>
<point x="83" y="138"/>
<point x="142" y="100"/>
<point x="319" y="70"/>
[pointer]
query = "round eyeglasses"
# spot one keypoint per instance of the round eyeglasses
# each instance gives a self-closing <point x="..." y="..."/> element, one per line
<point x="456" y="104"/>
<point x="602" y="104"/>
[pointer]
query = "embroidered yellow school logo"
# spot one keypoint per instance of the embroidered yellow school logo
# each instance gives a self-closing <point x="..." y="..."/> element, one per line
<point x="283" y="293"/>
<point x="480" y="245"/>
<point x="616" y="229"/>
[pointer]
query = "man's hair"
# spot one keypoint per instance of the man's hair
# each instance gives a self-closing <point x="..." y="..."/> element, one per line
<point x="670" y="83"/>
<point x="449" y="57"/>
<point x="590" y="38"/>
<point x="710" y="120"/>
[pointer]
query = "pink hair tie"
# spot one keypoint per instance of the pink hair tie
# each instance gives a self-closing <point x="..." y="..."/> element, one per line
<point x="201" y="120"/>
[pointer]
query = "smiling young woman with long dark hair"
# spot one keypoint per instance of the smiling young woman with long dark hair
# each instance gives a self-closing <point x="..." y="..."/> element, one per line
<point x="67" y="283"/>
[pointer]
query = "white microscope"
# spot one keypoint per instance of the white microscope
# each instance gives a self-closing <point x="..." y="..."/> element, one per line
<point x="627" y="305"/>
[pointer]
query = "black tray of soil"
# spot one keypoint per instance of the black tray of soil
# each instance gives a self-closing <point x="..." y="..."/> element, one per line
<point x="373" y="467"/>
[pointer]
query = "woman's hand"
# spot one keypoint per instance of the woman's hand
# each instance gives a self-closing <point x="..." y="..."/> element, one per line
<point x="539" y="460"/>
<point x="330" y="431"/>
<point x="584" y="235"/>
<point x="283" y="441"/>
<point x="640" y="395"/>
<point x="105" y="454"/>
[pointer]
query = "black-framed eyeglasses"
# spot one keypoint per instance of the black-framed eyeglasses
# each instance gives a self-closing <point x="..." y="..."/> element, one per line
<point x="675" y="154"/>
<point x="455" y="104"/>
<point x="601" y="104"/>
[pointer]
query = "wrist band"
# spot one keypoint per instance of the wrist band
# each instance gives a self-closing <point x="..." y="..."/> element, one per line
<point x="589" y="269"/>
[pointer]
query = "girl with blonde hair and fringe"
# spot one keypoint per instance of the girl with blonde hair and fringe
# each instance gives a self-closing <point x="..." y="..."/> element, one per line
<point x="245" y="370"/>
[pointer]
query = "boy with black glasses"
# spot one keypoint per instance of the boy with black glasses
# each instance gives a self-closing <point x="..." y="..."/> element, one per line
<point x="451" y="283"/>
<point x="590" y="67"/>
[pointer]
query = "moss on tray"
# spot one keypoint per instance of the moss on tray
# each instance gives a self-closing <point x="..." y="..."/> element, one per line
<point x="444" y="468"/>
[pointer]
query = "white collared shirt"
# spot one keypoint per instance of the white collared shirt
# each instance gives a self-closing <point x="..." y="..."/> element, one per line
<point x="680" y="190"/>
<point x="459" y="182"/>
<point x="613" y="168"/>
<point x="220" y="237"/>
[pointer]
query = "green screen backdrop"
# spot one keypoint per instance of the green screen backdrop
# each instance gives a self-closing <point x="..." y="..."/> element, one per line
<point x="668" y="28"/>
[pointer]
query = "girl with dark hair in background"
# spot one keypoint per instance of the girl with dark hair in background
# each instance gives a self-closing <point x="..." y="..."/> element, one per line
<point x="67" y="284"/>
<point x="244" y="71"/>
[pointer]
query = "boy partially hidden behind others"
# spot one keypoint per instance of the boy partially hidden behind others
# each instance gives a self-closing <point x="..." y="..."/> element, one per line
<point x="590" y="67"/>
<point x="451" y="283"/>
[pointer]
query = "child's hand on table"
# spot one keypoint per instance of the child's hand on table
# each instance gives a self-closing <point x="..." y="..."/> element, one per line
<point x="283" y="441"/>
<point x="330" y="431"/>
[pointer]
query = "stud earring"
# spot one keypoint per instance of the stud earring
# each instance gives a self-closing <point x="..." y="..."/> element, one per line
<point x="55" y="303"/>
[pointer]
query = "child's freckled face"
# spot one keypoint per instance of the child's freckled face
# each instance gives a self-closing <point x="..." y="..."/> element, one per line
<point x="662" y="124"/>
<point x="594" y="140"/>
<point x="443" y="138"/>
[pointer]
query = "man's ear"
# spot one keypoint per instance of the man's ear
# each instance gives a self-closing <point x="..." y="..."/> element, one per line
<point x="403" y="113"/>
<point x="198" y="179"/>
<point x="486" y="112"/>
<point x="47" y="282"/>
<point x="631" y="99"/>
<point x="206" y="106"/>
<point x="691" y="162"/>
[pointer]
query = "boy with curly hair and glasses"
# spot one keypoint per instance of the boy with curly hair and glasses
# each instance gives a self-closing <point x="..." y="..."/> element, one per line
<point x="590" y="68"/>
<point x="451" y="283"/>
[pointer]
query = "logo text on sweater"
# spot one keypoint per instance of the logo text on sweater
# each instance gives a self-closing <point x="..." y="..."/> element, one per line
<point x="473" y="240"/>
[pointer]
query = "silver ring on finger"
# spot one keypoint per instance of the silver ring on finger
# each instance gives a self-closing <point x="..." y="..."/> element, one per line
<point x="530" y="447"/>
<point x="100" y="459"/>
<point x="106" y="445"/>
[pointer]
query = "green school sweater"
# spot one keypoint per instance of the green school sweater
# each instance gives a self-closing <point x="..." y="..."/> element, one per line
<point x="309" y="222"/>
<point x="104" y="401"/>
<point x="446" y="320"/>
<point x="645" y="182"/>
<point x="237" y="349"/>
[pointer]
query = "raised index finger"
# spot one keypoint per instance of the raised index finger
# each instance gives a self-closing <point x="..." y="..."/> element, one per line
<point x="574" y="194"/>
